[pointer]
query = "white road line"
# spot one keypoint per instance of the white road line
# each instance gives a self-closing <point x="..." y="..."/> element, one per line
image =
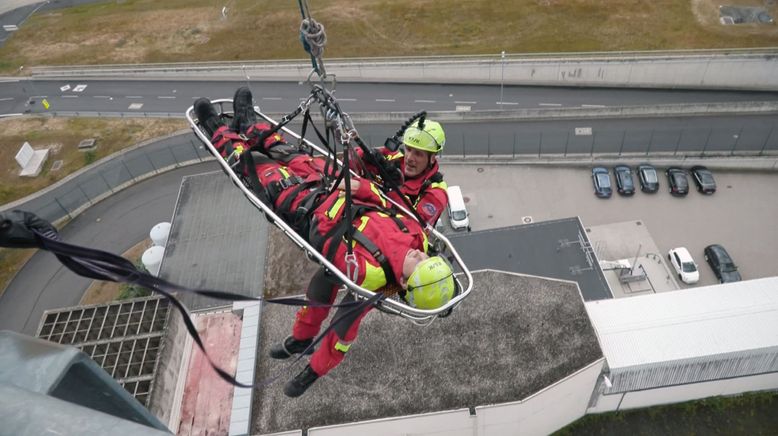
<point x="8" y="80"/>
<point x="166" y="96"/>
<point x="592" y="105"/>
<point x="347" y="99"/>
<point x="506" y="103"/>
<point x="385" y="100"/>
<point x="465" y="102"/>
<point x="133" y="96"/>
<point x="424" y="101"/>
<point x="550" y="104"/>
<point x="272" y="98"/>
<point x="6" y="98"/>
<point x="69" y="96"/>
<point x="102" y="96"/>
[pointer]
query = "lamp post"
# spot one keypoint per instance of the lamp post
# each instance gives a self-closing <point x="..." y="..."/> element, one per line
<point x="502" y="73"/>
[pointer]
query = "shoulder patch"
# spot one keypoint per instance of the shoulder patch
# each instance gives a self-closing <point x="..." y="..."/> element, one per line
<point x="429" y="208"/>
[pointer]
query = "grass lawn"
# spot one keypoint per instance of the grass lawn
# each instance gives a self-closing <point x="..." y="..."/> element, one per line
<point x="746" y="415"/>
<point x="61" y="136"/>
<point x="139" y="31"/>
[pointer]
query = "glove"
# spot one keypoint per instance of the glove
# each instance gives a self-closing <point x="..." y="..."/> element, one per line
<point x="16" y="229"/>
<point x="390" y="170"/>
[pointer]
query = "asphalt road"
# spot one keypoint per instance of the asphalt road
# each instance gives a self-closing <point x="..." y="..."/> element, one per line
<point x="139" y="96"/>
<point x="115" y="224"/>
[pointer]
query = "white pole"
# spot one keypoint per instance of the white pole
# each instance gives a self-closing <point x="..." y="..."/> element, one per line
<point x="502" y="73"/>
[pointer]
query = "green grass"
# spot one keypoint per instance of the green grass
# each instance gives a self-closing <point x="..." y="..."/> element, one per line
<point x="749" y="414"/>
<point x="139" y="31"/>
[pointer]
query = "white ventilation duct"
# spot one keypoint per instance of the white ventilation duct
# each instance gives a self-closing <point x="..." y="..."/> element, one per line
<point x="159" y="234"/>
<point x="152" y="259"/>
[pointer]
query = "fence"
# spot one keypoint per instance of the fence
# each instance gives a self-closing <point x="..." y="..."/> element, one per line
<point x="510" y="140"/>
<point x="103" y="180"/>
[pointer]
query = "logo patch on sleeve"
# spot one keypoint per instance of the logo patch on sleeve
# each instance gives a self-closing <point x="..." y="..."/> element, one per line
<point x="429" y="208"/>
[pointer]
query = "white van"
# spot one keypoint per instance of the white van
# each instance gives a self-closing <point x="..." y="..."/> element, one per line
<point x="457" y="212"/>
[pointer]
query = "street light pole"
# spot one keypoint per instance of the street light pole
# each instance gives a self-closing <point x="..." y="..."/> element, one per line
<point x="502" y="73"/>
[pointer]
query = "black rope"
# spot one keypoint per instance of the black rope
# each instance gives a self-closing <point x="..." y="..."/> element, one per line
<point x="102" y="265"/>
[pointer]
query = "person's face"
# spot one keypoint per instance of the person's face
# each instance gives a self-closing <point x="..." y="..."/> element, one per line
<point x="412" y="258"/>
<point x="416" y="161"/>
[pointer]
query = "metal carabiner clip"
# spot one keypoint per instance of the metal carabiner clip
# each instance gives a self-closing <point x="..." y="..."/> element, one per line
<point x="351" y="261"/>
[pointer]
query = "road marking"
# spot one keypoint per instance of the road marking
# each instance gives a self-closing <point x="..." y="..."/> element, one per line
<point x="272" y="98"/>
<point x="8" y="80"/>
<point x="6" y="98"/>
<point x="550" y="104"/>
<point x="592" y="105"/>
<point x="166" y="96"/>
<point x="385" y="100"/>
<point x="465" y="102"/>
<point x="506" y="103"/>
<point x="79" y="88"/>
<point x="135" y="106"/>
<point x="64" y="88"/>
<point x="133" y="96"/>
<point x="69" y="96"/>
<point x="347" y="99"/>
<point x="102" y="96"/>
<point x="583" y="131"/>
<point x="424" y="101"/>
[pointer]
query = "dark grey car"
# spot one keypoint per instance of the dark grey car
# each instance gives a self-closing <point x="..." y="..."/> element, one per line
<point x="722" y="264"/>
<point x="647" y="176"/>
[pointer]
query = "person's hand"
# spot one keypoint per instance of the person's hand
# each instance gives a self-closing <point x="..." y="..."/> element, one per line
<point x="16" y="229"/>
<point x="355" y="184"/>
<point x="390" y="172"/>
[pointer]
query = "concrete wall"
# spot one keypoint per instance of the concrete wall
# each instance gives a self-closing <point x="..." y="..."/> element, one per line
<point x="755" y="69"/>
<point x="687" y="392"/>
<point x="165" y="392"/>
<point x="542" y="413"/>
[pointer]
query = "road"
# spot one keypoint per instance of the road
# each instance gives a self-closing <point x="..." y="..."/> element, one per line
<point x="115" y="224"/>
<point x="139" y="96"/>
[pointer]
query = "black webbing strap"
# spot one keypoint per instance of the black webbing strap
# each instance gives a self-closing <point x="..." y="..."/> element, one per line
<point x="377" y="255"/>
<point x="101" y="265"/>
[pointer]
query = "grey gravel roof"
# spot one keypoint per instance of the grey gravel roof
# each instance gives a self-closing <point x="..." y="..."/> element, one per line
<point x="217" y="240"/>
<point x="512" y="337"/>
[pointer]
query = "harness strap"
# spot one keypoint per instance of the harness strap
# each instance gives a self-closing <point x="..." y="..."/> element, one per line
<point x="377" y="255"/>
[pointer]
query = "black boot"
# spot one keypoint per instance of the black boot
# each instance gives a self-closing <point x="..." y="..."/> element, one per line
<point x="298" y="385"/>
<point x="290" y="347"/>
<point x="207" y="115"/>
<point x="243" y="105"/>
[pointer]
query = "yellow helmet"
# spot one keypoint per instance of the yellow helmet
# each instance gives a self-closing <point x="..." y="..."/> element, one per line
<point x="431" y="138"/>
<point x="431" y="285"/>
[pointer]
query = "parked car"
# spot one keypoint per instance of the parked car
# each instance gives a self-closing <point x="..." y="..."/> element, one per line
<point x="624" y="183"/>
<point x="703" y="178"/>
<point x="684" y="265"/>
<point x="602" y="182"/>
<point x="458" y="215"/>
<point x="722" y="264"/>
<point x="649" y="181"/>
<point x="679" y="184"/>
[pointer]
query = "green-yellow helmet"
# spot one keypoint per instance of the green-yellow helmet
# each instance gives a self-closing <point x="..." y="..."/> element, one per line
<point x="431" y="285"/>
<point x="431" y="138"/>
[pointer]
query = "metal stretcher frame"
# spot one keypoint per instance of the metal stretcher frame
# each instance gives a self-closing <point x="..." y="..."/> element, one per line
<point x="397" y="307"/>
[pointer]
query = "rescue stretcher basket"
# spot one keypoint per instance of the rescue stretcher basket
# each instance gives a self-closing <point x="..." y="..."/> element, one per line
<point x="393" y="305"/>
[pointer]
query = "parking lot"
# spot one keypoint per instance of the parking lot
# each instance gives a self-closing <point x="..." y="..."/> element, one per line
<point x="742" y="215"/>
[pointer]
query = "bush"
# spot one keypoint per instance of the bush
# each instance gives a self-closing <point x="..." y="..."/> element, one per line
<point x="89" y="157"/>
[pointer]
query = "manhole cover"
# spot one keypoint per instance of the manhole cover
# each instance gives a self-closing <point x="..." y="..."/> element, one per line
<point x="466" y="199"/>
<point x="526" y="219"/>
<point x="480" y="170"/>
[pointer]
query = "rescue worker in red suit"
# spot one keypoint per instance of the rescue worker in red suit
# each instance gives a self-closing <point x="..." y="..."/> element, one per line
<point x="390" y="248"/>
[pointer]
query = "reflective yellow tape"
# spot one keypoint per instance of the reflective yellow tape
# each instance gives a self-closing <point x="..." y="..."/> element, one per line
<point x="375" y="277"/>
<point x="332" y="212"/>
<point x="362" y="224"/>
<point x="440" y="185"/>
<point x="396" y="155"/>
<point x="283" y="172"/>
<point x="343" y="348"/>
<point x="375" y="190"/>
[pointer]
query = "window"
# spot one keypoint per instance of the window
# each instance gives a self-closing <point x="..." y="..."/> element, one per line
<point x="688" y="267"/>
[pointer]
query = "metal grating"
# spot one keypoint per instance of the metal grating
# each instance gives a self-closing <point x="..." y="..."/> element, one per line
<point x="123" y="337"/>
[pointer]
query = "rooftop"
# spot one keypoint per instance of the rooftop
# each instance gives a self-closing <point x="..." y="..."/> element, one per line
<point x="512" y="337"/>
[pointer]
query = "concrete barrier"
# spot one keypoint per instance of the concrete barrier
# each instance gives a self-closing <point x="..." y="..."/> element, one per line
<point x="752" y="69"/>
